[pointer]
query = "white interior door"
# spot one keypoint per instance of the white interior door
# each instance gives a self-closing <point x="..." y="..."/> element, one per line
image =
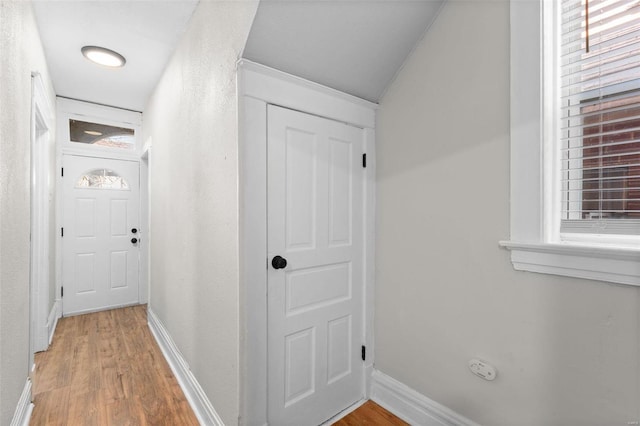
<point x="315" y="306"/>
<point x="100" y="242"/>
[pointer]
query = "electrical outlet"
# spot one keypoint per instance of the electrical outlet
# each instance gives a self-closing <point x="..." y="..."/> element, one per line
<point x="482" y="369"/>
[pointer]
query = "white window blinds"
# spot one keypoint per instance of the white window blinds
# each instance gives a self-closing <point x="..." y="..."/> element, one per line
<point x="600" y="116"/>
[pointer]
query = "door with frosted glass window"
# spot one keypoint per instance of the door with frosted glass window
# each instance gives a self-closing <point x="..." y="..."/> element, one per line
<point x="100" y="234"/>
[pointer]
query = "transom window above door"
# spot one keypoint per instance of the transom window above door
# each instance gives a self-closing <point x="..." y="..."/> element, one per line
<point x="101" y="135"/>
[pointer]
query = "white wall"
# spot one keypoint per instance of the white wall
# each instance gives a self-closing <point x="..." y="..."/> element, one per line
<point x="21" y="53"/>
<point x="567" y="350"/>
<point x="192" y="120"/>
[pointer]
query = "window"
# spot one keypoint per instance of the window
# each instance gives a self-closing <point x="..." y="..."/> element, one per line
<point x="101" y="135"/>
<point x="102" y="179"/>
<point x="575" y="138"/>
<point x="600" y="116"/>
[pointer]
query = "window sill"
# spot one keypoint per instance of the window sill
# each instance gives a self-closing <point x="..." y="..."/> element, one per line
<point x="611" y="264"/>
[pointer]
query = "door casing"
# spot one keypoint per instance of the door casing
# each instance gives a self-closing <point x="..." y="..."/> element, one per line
<point x="41" y="139"/>
<point x="71" y="108"/>
<point x="259" y="86"/>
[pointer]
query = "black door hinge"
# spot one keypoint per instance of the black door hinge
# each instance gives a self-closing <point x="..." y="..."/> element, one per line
<point x="62" y="171"/>
<point x="364" y="352"/>
<point x="364" y="160"/>
<point x="62" y="232"/>
<point x="61" y="291"/>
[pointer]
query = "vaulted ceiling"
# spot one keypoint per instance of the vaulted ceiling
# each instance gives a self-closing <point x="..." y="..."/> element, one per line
<point x="355" y="46"/>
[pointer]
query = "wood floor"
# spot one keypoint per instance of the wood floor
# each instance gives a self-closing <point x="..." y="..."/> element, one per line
<point x="106" y="369"/>
<point x="370" y="413"/>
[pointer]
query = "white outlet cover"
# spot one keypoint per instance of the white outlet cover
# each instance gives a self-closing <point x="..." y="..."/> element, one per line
<point x="482" y="369"/>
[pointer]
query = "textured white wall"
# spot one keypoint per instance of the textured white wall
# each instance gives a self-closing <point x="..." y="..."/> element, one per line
<point x="192" y="120"/>
<point x="567" y="350"/>
<point x="20" y="53"/>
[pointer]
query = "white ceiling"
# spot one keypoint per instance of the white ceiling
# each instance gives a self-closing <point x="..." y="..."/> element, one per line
<point x="355" y="46"/>
<point x="144" y="32"/>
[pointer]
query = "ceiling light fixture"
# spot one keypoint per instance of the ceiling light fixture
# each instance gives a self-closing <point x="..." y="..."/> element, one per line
<point x="103" y="56"/>
<point x="93" y="133"/>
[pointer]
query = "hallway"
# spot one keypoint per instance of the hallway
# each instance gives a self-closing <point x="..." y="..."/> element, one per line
<point x="106" y="368"/>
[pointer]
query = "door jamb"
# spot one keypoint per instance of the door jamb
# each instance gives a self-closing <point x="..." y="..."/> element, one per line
<point x="259" y="86"/>
<point x="40" y="265"/>
<point x="145" y="222"/>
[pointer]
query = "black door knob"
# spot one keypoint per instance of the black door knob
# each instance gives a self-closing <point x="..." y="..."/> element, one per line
<point x="134" y="231"/>
<point x="134" y="240"/>
<point x="279" y="262"/>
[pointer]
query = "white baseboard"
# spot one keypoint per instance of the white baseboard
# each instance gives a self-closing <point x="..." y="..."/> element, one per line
<point x="194" y="393"/>
<point x="23" y="411"/>
<point x="54" y="316"/>
<point x="412" y="406"/>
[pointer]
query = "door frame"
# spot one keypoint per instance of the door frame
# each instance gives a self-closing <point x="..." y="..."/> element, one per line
<point x="74" y="109"/>
<point x="42" y="121"/>
<point x="145" y="222"/>
<point x="259" y="86"/>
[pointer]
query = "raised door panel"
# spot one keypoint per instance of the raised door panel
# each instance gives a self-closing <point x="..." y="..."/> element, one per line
<point x="317" y="287"/>
<point x="300" y="365"/>
<point x="301" y="194"/>
<point x="118" y="270"/>
<point x="340" y="192"/>
<point x="339" y="351"/>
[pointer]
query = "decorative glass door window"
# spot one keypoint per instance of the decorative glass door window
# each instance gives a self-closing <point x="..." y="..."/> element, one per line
<point x="102" y="179"/>
<point x="101" y="135"/>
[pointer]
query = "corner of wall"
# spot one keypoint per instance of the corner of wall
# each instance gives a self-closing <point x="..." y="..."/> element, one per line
<point x="410" y="405"/>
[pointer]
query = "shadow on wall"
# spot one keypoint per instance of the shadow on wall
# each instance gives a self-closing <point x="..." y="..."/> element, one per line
<point x="449" y="100"/>
<point x="567" y="350"/>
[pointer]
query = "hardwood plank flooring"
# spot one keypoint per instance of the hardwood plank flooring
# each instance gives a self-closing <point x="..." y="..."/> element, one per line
<point x="370" y="413"/>
<point x="105" y="368"/>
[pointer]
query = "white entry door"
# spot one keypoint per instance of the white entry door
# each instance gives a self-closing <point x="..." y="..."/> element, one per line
<point x="315" y="306"/>
<point x="100" y="242"/>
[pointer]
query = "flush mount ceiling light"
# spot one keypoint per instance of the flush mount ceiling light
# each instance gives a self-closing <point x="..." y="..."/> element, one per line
<point x="103" y="56"/>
